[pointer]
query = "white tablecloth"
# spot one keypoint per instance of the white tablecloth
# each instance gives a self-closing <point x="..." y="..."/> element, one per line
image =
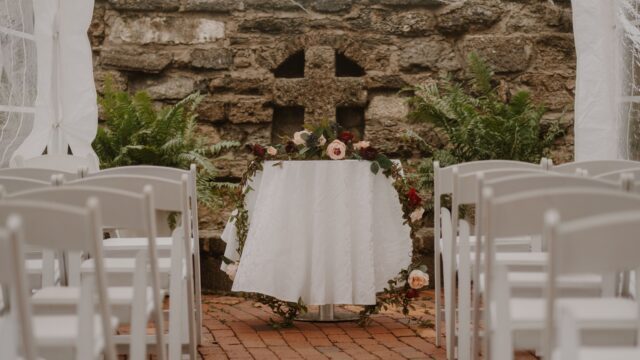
<point x="330" y="232"/>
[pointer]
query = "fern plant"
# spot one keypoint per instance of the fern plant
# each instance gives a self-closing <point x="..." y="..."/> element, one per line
<point x="481" y="119"/>
<point x="136" y="132"/>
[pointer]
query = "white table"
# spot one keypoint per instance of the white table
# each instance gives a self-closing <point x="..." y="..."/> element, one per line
<point x="329" y="232"/>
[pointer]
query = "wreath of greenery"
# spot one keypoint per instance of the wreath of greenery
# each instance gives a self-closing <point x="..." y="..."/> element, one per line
<point x="328" y="141"/>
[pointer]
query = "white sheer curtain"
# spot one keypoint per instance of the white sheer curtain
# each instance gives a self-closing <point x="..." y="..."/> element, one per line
<point x="607" y="104"/>
<point x="17" y="75"/>
<point x="66" y="114"/>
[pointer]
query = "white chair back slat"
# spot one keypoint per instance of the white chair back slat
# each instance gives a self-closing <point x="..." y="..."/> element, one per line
<point x="596" y="167"/>
<point x="526" y="182"/>
<point x="167" y="193"/>
<point x="67" y="163"/>
<point x="120" y="209"/>
<point x="616" y="175"/>
<point x="521" y="214"/>
<point x="17" y="184"/>
<point x="580" y="248"/>
<point x="449" y="293"/>
<point x="36" y="173"/>
<point x="467" y="193"/>
<point x="445" y="175"/>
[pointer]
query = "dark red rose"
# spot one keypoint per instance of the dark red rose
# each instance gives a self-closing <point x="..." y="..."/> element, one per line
<point x="290" y="147"/>
<point x="258" y="150"/>
<point x="414" y="198"/>
<point x="345" y="136"/>
<point x="412" y="293"/>
<point x="369" y="153"/>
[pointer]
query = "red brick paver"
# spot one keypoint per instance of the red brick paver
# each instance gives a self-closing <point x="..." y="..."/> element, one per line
<point x="236" y="328"/>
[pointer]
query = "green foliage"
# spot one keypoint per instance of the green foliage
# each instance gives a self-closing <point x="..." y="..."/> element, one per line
<point x="138" y="133"/>
<point x="481" y="119"/>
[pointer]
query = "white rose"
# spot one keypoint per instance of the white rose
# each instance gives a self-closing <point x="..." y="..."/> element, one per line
<point x="231" y="271"/>
<point x="416" y="215"/>
<point x="272" y="151"/>
<point x="321" y="140"/>
<point x="417" y="279"/>
<point x="361" y="145"/>
<point x="337" y="150"/>
<point x="297" y="137"/>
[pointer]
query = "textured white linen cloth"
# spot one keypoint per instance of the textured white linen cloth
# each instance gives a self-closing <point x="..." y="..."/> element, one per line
<point x="329" y="232"/>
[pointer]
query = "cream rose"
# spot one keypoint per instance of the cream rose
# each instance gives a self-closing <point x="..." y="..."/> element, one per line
<point x="417" y="279"/>
<point x="321" y="140"/>
<point x="297" y="137"/>
<point x="272" y="151"/>
<point x="337" y="150"/>
<point x="361" y="145"/>
<point x="416" y="215"/>
<point x="231" y="271"/>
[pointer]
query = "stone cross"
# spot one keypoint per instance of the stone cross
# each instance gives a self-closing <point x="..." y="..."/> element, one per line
<point x="320" y="92"/>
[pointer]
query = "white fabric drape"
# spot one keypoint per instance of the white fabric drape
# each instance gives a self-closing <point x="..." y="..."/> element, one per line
<point x="600" y="133"/>
<point x="66" y="106"/>
<point x="17" y="75"/>
<point x="329" y="232"/>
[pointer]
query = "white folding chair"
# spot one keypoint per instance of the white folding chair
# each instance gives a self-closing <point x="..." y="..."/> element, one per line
<point x="67" y="163"/>
<point x="503" y="182"/>
<point x="525" y="211"/>
<point x="595" y="167"/>
<point x="12" y="184"/>
<point x="132" y="305"/>
<point x="16" y="327"/>
<point x="167" y="196"/>
<point x="605" y="244"/>
<point x="37" y="174"/>
<point x="617" y="175"/>
<point x="69" y="228"/>
<point x="122" y="244"/>
<point x="444" y="185"/>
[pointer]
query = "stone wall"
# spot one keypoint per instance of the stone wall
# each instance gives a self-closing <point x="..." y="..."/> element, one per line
<point x="264" y="65"/>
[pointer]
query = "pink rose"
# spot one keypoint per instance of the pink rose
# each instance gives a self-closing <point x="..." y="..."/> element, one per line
<point x="298" y="139"/>
<point x="337" y="150"/>
<point x="231" y="271"/>
<point x="272" y="151"/>
<point x="416" y="215"/>
<point x="417" y="279"/>
<point x="361" y="145"/>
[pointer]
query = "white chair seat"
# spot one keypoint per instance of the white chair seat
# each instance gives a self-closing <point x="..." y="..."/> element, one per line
<point x="124" y="265"/>
<point x="522" y="243"/>
<point x="126" y="244"/>
<point x="604" y="353"/>
<point x="538" y="280"/>
<point x="56" y="295"/>
<point x="61" y="331"/>
<point x="590" y="313"/>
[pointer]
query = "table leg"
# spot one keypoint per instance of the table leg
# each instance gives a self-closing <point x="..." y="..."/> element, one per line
<point x="326" y="313"/>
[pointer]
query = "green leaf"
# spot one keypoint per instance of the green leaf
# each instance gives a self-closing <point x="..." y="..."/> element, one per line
<point x="384" y="162"/>
<point x="375" y="167"/>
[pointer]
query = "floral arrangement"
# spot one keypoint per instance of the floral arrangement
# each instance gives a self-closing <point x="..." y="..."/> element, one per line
<point x="329" y="142"/>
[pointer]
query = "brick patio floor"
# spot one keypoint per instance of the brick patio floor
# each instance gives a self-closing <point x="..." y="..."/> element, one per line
<point x="235" y="328"/>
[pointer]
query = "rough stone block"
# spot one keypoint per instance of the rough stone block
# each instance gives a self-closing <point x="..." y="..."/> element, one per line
<point x="272" y="25"/>
<point x="409" y="23"/>
<point x="222" y="6"/>
<point x="173" y="87"/>
<point x="331" y="6"/>
<point x="404" y="3"/>
<point x="384" y="107"/>
<point x="250" y="110"/>
<point x="212" y="110"/>
<point x="504" y="53"/>
<point x="165" y="30"/>
<point x="135" y="59"/>
<point x="117" y="79"/>
<point x="428" y="54"/>
<point x="147" y="5"/>
<point x="216" y="59"/>
<point x="468" y="15"/>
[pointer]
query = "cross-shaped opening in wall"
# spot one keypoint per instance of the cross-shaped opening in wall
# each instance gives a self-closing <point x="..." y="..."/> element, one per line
<point x="317" y="84"/>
